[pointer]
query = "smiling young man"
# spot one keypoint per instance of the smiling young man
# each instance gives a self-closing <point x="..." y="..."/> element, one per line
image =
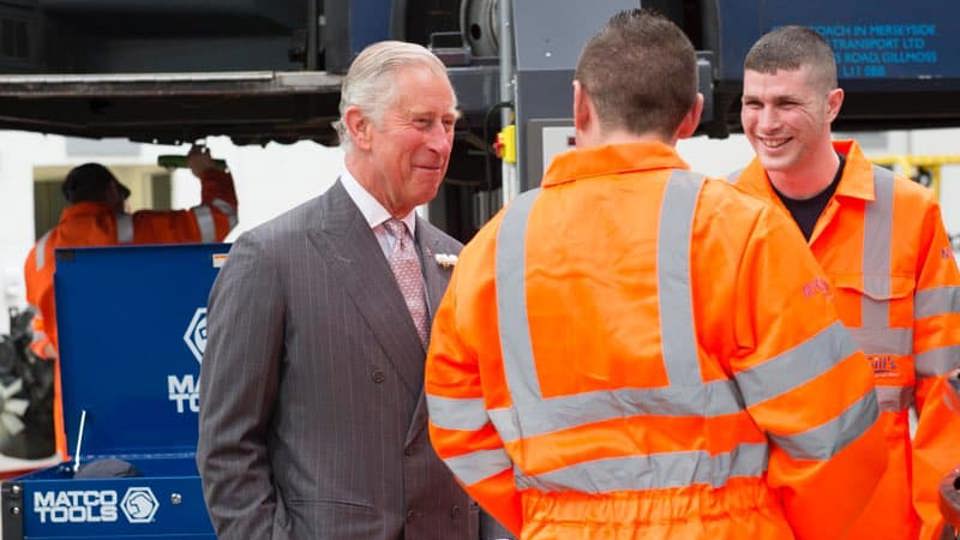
<point x="882" y="244"/>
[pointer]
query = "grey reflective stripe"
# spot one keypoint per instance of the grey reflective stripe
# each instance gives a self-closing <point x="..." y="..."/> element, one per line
<point x="654" y="471"/>
<point x="678" y="339"/>
<point x="796" y="366"/>
<point x="204" y="217"/>
<point x="453" y="413"/>
<point x="716" y="398"/>
<point x="884" y="340"/>
<point x="226" y="209"/>
<point x="877" y="232"/>
<point x="478" y="466"/>
<point x="938" y="361"/>
<point x="734" y="176"/>
<point x="939" y="301"/>
<point x="40" y="252"/>
<point x="824" y="441"/>
<point x="124" y="228"/>
<point x="894" y="398"/>
<point x="517" y="351"/>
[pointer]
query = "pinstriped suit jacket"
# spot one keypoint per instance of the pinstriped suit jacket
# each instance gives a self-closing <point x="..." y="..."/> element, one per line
<point x="312" y="417"/>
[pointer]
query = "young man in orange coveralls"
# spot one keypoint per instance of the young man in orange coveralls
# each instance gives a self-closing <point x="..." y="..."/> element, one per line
<point x="96" y="217"/>
<point x="881" y="242"/>
<point x="633" y="351"/>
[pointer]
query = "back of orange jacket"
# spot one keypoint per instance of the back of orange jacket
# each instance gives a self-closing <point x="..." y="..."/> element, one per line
<point x="95" y="224"/>
<point x="634" y="352"/>
<point x="882" y="244"/>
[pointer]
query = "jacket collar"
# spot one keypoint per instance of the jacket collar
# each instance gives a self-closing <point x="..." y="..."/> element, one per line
<point x="612" y="159"/>
<point x="856" y="181"/>
<point x="84" y="209"/>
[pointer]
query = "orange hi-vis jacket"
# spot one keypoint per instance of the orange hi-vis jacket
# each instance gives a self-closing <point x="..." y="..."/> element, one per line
<point x="633" y="351"/>
<point x="882" y="244"/>
<point x="95" y="224"/>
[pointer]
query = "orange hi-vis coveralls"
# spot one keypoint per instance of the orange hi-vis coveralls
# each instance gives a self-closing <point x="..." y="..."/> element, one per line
<point x="633" y="351"/>
<point x="882" y="244"/>
<point x="95" y="224"/>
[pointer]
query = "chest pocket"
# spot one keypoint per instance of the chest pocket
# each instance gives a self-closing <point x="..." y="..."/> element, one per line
<point x="887" y="345"/>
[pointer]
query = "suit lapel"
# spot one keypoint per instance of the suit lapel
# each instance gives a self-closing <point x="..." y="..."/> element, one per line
<point x="359" y="264"/>
<point x="436" y="279"/>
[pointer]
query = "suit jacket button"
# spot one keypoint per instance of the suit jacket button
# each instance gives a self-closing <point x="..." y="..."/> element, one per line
<point x="378" y="376"/>
<point x="454" y="512"/>
<point x="411" y="515"/>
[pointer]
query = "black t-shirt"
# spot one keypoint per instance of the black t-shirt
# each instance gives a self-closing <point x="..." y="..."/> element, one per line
<point x="806" y="212"/>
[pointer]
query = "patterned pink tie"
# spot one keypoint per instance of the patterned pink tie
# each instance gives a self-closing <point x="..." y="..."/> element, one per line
<point x="406" y="269"/>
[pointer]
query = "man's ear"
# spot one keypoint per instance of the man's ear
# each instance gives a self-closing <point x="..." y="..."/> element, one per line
<point x="583" y="117"/>
<point x="358" y="126"/>
<point x="834" y="102"/>
<point x="690" y="120"/>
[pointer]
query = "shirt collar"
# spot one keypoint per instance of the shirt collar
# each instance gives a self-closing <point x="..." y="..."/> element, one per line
<point x="373" y="212"/>
<point x="611" y="159"/>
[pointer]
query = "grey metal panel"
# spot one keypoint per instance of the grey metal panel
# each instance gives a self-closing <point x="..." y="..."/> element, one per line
<point x="549" y="36"/>
<point x="477" y="87"/>
<point x="533" y="142"/>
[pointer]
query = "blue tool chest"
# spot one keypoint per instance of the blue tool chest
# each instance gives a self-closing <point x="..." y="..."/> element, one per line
<point x="132" y="330"/>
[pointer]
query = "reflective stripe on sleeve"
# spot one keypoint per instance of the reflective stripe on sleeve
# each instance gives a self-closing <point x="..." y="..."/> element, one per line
<point x="124" y="228"/>
<point x="40" y="251"/>
<point x="894" y="398"/>
<point x="226" y="209"/>
<point x="796" y="366"/>
<point x="479" y="465"/>
<point x="464" y="414"/>
<point x="204" y="217"/>
<point x="938" y="301"/>
<point x="824" y="441"/>
<point x="938" y="361"/>
<point x="654" y="471"/>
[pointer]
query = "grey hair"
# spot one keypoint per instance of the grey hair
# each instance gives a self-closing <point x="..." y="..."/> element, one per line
<point x="368" y="84"/>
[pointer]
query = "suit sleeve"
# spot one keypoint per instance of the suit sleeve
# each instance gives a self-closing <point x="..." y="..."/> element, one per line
<point x="210" y="221"/>
<point x="805" y="384"/>
<point x="460" y="429"/>
<point x="936" y="335"/>
<point x="238" y="388"/>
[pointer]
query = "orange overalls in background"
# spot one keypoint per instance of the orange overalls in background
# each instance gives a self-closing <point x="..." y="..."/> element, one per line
<point x="882" y="244"/>
<point x="635" y="352"/>
<point x="95" y="224"/>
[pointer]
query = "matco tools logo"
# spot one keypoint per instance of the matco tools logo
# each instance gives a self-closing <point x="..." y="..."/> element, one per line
<point x="184" y="390"/>
<point x="196" y="335"/>
<point x="139" y="505"/>
<point x="76" y="506"/>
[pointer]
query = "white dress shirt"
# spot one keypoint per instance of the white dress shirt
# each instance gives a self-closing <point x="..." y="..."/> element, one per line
<point x="375" y="213"/>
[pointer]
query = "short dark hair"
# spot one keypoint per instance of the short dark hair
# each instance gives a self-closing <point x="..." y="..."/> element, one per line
<point x="790" y="48"/>
<point x="89" y="183"/>
<point x="640" y="71"/>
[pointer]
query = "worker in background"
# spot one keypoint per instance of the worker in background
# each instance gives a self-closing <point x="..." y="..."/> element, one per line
<point x="634" y="351"/>
<point x="95" y="216"/>
<point x="881" y="242"/>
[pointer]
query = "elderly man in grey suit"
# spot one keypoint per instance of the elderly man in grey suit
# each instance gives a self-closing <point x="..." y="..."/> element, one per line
<point x="312" y="416"/>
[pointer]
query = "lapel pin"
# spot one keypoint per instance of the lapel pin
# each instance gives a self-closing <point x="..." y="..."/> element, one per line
<point x="445" y="260"/>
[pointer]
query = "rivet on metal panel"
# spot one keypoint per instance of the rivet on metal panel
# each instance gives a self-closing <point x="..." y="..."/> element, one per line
<point x="16" y="489"/>
<point x="176" y="498"/>
<point x="15" y="510"/>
